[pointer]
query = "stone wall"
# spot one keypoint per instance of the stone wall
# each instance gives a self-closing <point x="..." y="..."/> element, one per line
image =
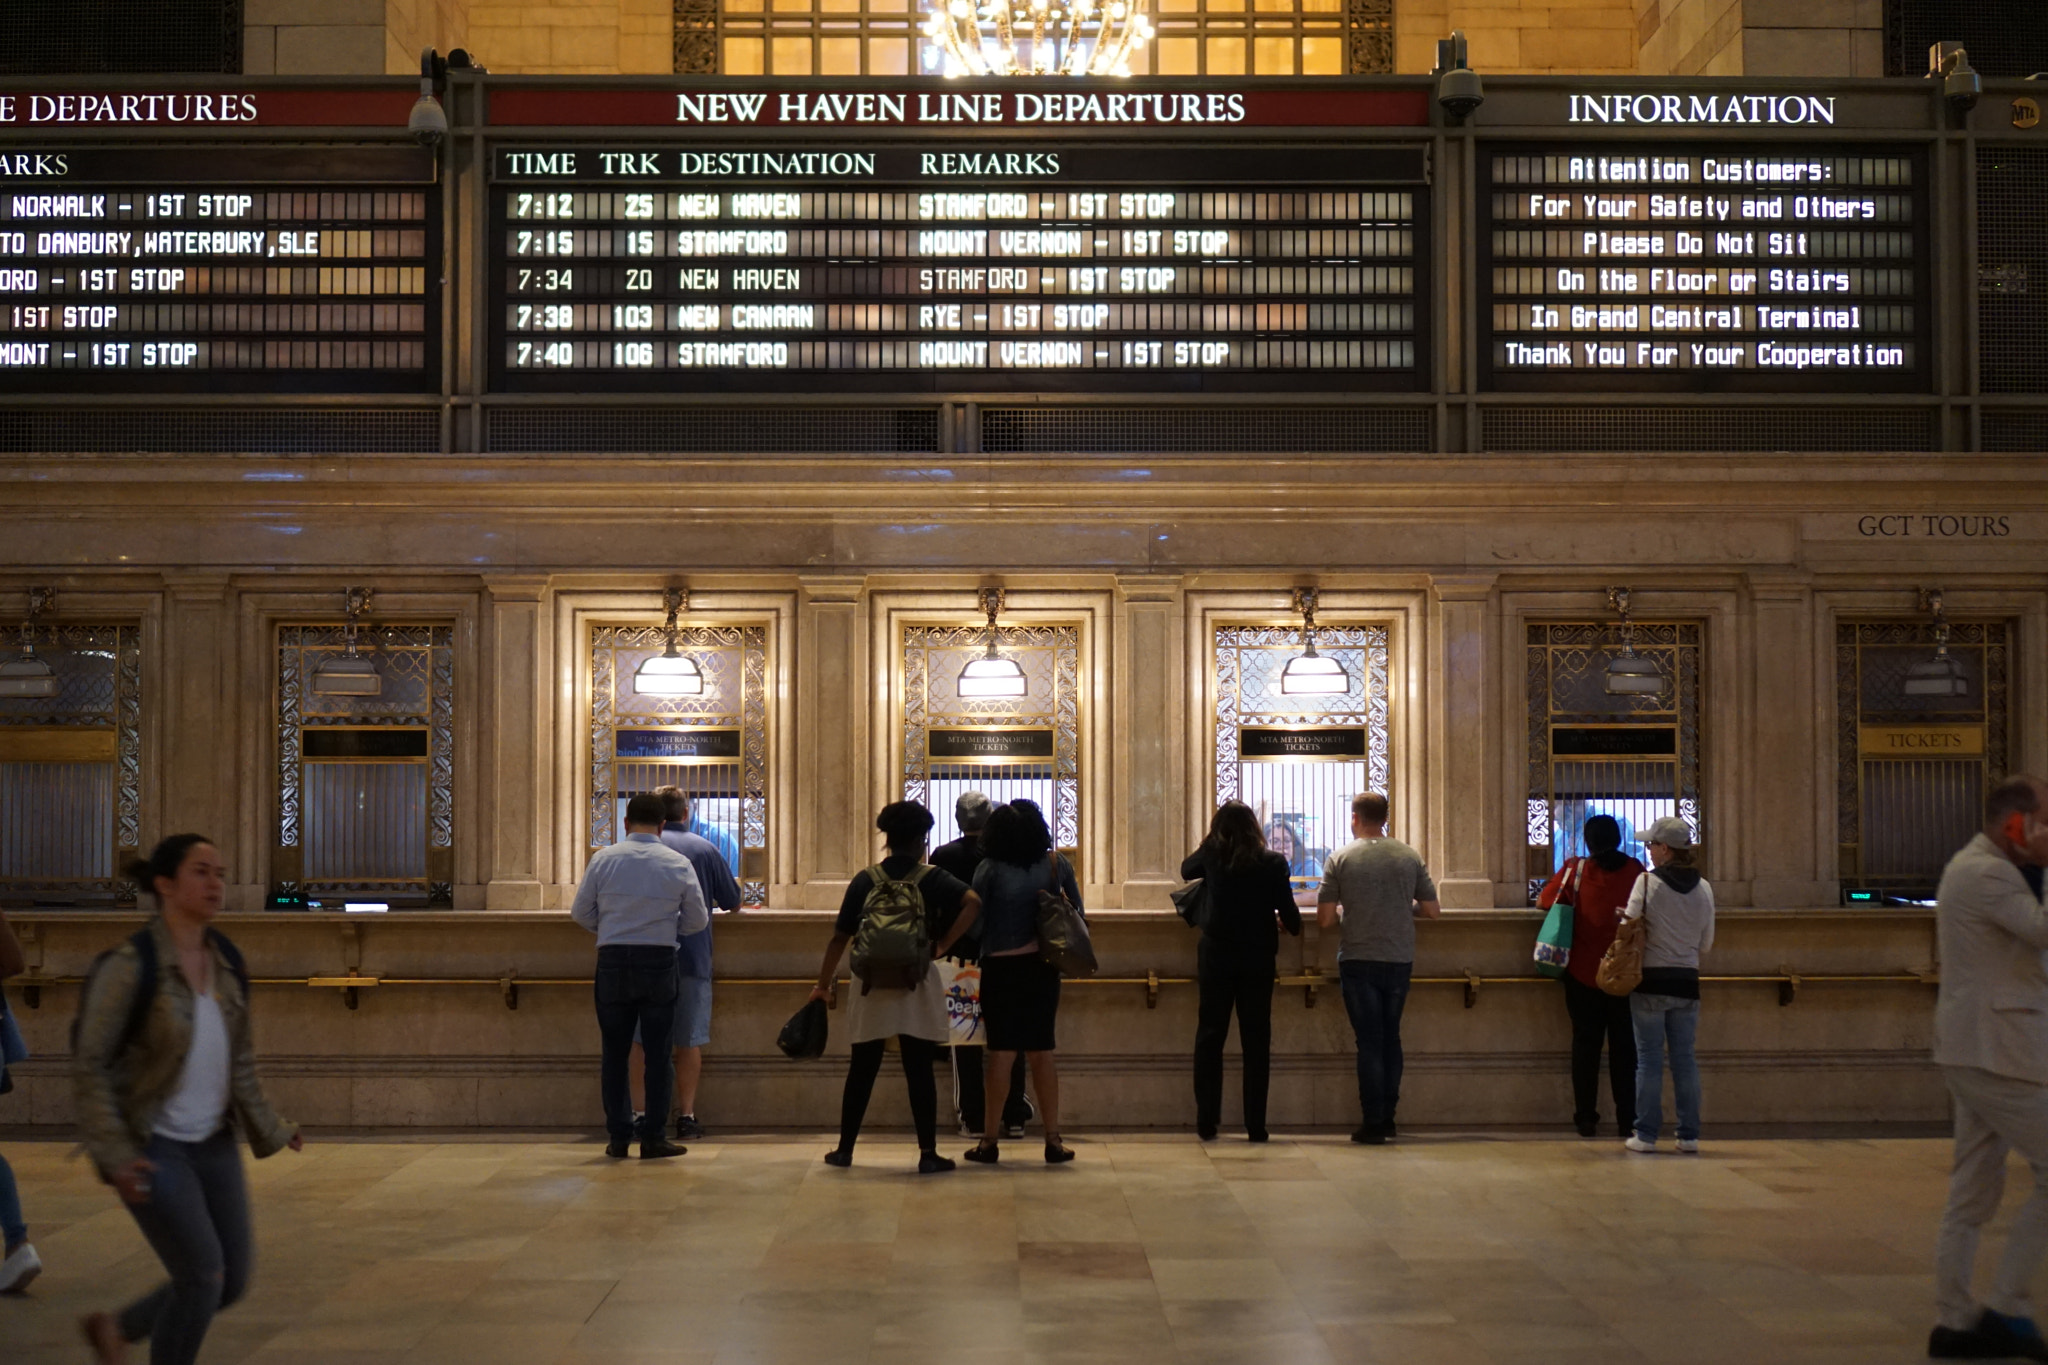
<point x="573" y="37"/>
<point x="1485" y="1052"/>
<point x="1581" y="37"/>
<point x="347" y="37"/>
<point x="1810" y="38"/>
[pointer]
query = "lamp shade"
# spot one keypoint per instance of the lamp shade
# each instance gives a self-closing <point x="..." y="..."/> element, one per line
<point x="669" y="675"/>
<point x="1632" y="675"/>
<point x="992" y="676"/>
<point x="347" y="675"/>
<point x="1313" y="675"/>
<point x="27" y="676"/>
<point x="1940" y="676"/>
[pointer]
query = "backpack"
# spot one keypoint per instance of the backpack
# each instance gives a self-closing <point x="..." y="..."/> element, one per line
<point x="144" y="943"/>
<point x="893" y="946"/>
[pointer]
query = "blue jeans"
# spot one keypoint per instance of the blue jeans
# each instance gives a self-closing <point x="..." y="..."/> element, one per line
<point x="636" y="988"/>
<point x="1374" y="995"/>
<point x="197" y="1221"/>
<point x="13" y="1232"/>
<point x="1659" y="1019"/>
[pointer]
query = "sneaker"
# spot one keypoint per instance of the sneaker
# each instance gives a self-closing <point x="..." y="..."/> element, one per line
<point x="639" y="1117"/>
<point x="931" y="1163"/>
<point x="1369" y="1135"/>
<point x="1587" y="1127"/>
<point x="19" y="1269"/>
<point x="968" y="1130"/>
<point x="618" y="1149"/>
<point x="1013" y="1126"/>
<point x="688" y="1129"/>
<point x="1636" y="1144"/>
<point x="1388" y="1131"/>
<point x="1689" y="1146"/>
<point x="660" y="1149"/>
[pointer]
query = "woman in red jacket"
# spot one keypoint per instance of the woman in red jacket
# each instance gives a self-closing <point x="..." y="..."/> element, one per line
<point x="1597" y="888"/>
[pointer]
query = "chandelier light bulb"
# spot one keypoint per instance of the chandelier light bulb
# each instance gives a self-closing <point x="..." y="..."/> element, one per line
<point x="1034" y="37"/>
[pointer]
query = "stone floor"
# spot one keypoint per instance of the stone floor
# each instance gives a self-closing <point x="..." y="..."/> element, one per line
<point x="1146" y="1249"/>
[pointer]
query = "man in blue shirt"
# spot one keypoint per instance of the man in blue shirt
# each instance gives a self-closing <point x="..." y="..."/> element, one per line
<point x="693" y="954"/>
<point x="639" y="897"/>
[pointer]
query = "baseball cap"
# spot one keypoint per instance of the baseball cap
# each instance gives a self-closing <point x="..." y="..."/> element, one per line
<point x="1671" y="831"/>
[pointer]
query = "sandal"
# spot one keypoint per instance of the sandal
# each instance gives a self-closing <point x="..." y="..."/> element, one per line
<point x="1057" y="1151"/>
<point x="983" y="1152"/>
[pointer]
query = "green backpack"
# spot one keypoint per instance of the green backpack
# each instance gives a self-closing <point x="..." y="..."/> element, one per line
<point x="894" y="945"/>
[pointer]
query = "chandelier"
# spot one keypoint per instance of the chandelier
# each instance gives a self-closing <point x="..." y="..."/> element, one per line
<point x="1038" y="37"/>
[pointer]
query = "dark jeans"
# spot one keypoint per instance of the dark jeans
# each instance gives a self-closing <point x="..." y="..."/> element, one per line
<point x="970" y="1093"/>
<point x="197" y="1222"/>
<point x="1597" y="1018"/>
<point x="919" y="1057"/>
<point x="1229" y="982"/>
<point x="1374" y="995"/>
<point x="636" y="988"/>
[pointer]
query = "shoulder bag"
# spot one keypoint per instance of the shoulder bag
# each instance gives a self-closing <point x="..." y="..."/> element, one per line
<point x="1621" y="970"/>
<point x="1063" y="939"/>
<point x="1554" y="939"/>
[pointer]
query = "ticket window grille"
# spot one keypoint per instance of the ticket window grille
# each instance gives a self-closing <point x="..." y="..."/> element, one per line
<point x="1007" y="747"/>
<point x="366" y="784"/>
<point x="1298" y="761"/>
<point x="714" y="746"/>
<point x="1912" y="770"/>
<point x="70" y="769"/>
<point x="1634" y="756"/>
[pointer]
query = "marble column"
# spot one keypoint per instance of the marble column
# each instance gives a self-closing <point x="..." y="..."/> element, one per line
<point x="1784" y="818"/>
<point x="517" y="664"/>
<point x="1152" y="776"/>
<point x="1463" y="785"/>
<point x="833" y="782"/>
<point x="201" y="759"/>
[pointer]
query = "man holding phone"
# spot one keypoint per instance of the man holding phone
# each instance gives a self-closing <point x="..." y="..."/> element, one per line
<point x="1991" y="1042"/>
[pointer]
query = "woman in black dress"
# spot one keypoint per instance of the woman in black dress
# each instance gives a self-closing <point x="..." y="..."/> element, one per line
<point x="1245" y="888"/>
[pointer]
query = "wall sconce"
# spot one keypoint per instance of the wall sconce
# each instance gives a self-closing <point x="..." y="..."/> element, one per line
<point x="991" y="675"/>
<point x="670" y="674"/>
<point x="351" y="674"/>
<point x="1630" y="673"/>
<point x="1940" y="676"/>
<point x="28" y="676"/>
<point x="1309" y="674"/>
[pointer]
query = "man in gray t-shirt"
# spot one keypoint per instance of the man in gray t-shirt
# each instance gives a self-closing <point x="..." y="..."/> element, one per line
<point x="1383" y="888"/>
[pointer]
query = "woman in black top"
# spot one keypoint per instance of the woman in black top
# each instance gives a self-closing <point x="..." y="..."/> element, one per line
<point x="1245" y="887"/>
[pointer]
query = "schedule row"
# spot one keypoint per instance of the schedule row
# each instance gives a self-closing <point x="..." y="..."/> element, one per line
<point x="979" y="316"/>
<point x="1392" y="207"/>
<point x="955" y="243"/>
<point x="814" y="279"/>
<point x="1211" y="353"/>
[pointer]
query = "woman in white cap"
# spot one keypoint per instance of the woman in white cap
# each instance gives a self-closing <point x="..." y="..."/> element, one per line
<point x="1677" y="905"/>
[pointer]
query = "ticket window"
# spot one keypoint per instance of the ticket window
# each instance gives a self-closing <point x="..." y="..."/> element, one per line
<point x="70" y="804"/>
<point x="713" y="745"/>
<point x="1602" y="742"/>
<point x="1919" y="745"/>
<point x="1006" y="747"/>
<point x="366" y="778"/>
<point x="1298" y="760"/>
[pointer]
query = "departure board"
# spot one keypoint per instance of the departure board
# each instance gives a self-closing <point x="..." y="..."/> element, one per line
<point x="1614" y="265"/>
<point x="955" y="267"/>
<point x="222" y="268"/>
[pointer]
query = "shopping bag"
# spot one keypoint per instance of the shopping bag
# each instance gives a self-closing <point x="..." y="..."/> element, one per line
<point x="962" y="983"/>
<point x="1554" y="939"/>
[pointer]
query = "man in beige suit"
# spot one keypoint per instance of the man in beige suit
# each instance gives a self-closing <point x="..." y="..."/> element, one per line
<point x="1991" y="1042"/>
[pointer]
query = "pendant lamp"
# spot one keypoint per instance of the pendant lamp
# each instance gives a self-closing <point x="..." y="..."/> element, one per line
<point x="1630" y="673"/>
<point x="1942" y="675"/>
<point x="991" y="675"/>
<point x="1310" y="674"/>
<point x="350" y="674"/>
<point x="28" y="676"/>
<point x="669" y="673"/>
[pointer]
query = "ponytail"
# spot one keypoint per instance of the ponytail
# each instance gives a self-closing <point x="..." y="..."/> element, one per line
<point x="163" y="861"/>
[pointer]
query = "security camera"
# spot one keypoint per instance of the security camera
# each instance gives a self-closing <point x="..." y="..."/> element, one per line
<point x="428" y="122"/>
<point x="1458" y="87"/>
<point x="1960" y="84"/>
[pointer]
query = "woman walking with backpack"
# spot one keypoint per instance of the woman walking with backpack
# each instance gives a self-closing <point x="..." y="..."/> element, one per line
<point x="1244" y="887"/>
<point x="887" y="915"/>
<point x="163" y="1073"/>
<point x="1020" y="990"/>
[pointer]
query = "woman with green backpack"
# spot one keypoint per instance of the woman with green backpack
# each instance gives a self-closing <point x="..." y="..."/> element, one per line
<point x="899" y="916"/>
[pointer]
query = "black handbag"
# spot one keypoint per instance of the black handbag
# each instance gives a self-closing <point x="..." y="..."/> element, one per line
<point x="804" y="1035"/>
<point x="1191" y="900"/>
